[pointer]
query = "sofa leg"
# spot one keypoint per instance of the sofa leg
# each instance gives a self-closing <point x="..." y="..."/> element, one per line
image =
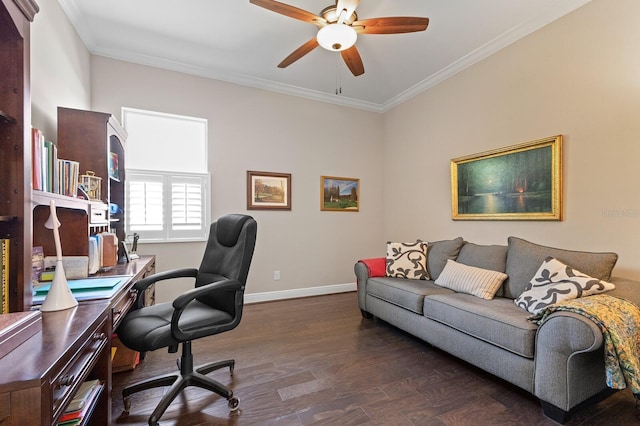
<point x="365" y="314"/>
<point x="554" y="413"/>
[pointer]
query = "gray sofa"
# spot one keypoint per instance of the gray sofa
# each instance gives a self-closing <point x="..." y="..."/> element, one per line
<point x="561" y="362"/>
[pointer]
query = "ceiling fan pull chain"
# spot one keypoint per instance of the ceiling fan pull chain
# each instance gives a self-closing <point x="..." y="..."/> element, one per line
<point x="338" y="76"/>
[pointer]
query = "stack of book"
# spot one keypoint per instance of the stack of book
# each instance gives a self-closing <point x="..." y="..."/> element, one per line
<point x="80" y="406"/>
<point x="50" y="173"/>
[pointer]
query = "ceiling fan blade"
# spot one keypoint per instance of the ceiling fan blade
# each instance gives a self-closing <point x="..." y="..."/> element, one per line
<point x="299" y="53"/>
<point x="352" y="58"/>
<point x="392" y="25"/>
<point x="290" y="11"/>
<point x="349" y="6"/>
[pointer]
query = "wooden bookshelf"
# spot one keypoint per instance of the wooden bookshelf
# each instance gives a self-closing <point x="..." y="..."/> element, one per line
<point x="15" y="144"/>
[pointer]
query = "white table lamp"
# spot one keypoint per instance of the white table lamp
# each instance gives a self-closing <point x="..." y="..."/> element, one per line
<point x="59" y="296"/>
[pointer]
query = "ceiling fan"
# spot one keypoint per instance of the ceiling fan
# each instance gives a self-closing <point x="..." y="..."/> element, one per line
<point x="338" y="29"/>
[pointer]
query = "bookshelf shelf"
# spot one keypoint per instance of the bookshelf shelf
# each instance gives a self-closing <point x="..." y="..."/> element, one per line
<point x="42" y="198"/>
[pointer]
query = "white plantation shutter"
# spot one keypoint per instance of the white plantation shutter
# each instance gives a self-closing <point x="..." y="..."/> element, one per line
<point x="166" y="206"/>
<point x="186" y="203"/>
<point x="145" y="203"/>
<point x="171" y="204"/>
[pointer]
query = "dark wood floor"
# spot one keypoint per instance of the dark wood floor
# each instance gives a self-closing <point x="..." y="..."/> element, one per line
<point x="316" y="361"/>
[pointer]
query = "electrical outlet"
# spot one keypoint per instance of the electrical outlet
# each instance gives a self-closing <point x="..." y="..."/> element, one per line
<point x="276" y="275"/>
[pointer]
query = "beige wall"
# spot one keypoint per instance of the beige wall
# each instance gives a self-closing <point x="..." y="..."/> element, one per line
<point x="59" y="68"/>
<point x="253" y="129"/>
<point x="579" y="77"/>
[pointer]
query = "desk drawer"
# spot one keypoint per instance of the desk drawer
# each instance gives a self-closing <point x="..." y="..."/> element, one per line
<point x="120" y="308"/>
<point x="65" y="384"/>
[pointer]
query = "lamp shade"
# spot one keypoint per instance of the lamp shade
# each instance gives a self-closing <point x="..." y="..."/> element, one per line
<point x="337" y="37"/>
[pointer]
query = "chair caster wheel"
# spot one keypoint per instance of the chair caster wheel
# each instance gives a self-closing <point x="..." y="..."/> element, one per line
<point x="234" y="403"/>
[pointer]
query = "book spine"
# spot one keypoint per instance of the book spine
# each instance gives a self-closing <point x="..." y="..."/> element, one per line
<point x="4" y="248"/>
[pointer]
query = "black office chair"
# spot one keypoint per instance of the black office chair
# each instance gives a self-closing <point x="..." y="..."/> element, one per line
<point x="213" y="306"/>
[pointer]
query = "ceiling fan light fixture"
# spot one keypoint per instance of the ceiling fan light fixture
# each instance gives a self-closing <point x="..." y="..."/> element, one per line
<point x="337" y="37"/>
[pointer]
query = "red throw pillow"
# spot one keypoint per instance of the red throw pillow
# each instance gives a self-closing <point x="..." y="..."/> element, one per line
<point x="377" y="266"/>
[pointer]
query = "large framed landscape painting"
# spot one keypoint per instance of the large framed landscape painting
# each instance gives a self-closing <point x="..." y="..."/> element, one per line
<point x="519" y="182"/>
<point x="339" y="194"/>
<point x="268" y="191"/>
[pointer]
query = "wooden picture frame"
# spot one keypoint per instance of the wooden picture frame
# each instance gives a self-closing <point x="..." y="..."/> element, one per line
<point x="268" y="191"/>
<point x="339" y="194"/>
<point x="518" y="182"/>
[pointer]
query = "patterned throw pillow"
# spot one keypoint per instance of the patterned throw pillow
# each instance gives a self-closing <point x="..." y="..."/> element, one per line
<point x="407" y="260"/>
<point x="472" y="280"/>
<point x="555" y="282"/>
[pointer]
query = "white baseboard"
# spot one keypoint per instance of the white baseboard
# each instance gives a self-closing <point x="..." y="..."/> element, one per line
<point x="299" y="292"/>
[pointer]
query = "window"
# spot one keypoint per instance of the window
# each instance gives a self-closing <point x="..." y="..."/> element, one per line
<point x="167" y="183"/>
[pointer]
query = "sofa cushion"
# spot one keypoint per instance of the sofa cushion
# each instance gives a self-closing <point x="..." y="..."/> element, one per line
<point x="498" y="321"/>
<point x="467" y="279"/>
<point x="407" y="260"/>
<point x="556" y="282"/>
<point x="493" y="257"/>
<point x="438" y="252"/>
<point x="524" y="259"/>
<point x="408" y="294"/>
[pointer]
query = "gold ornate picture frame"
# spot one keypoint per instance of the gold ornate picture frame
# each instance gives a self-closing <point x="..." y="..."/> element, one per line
<point x="518" y="182"/>
<point x="339" y="194"/>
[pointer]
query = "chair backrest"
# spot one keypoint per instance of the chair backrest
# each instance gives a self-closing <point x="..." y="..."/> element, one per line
<point x="228" y="255"/>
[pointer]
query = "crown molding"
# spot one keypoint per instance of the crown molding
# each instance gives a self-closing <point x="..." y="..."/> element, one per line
<point x="509" y="37"/>
<point x="485" y="51"/>
<point x="29" y="8"/>
<point x="240" y="79"/>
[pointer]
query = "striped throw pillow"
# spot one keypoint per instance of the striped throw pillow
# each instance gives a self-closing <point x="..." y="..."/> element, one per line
<point x="467" y="279"/>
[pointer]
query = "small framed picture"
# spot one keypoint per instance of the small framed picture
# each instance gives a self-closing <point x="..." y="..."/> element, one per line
<point x="339" y="194"/>
<point x="268" y="191"/>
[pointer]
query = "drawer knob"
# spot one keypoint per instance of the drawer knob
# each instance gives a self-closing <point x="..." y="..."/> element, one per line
<point x="99" y="336"/>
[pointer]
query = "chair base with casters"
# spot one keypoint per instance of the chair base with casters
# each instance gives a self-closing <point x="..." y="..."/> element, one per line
<point x="179" y="381"/>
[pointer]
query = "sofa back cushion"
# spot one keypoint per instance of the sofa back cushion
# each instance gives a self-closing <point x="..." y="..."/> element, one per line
<point x="524" y="258"/>
<point x="439" y="252"/>
<point x="493" y="257"/>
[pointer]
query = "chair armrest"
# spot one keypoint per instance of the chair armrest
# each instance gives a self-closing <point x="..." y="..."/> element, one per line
<point x="182" y="301"/>
<point x="141" y="285"/>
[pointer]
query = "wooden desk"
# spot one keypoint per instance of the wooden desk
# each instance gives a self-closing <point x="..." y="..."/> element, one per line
<point x="39" y="378"/>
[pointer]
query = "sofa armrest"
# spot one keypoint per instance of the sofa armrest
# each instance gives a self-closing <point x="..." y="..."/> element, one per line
<point x="362" y="275"/>
<point x="569" y="360"/>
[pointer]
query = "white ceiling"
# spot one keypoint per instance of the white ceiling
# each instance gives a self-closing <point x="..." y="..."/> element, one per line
<point x="235" y="41"/>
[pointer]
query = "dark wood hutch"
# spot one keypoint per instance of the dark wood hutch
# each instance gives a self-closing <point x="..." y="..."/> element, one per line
<point x="74" y="344"/>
